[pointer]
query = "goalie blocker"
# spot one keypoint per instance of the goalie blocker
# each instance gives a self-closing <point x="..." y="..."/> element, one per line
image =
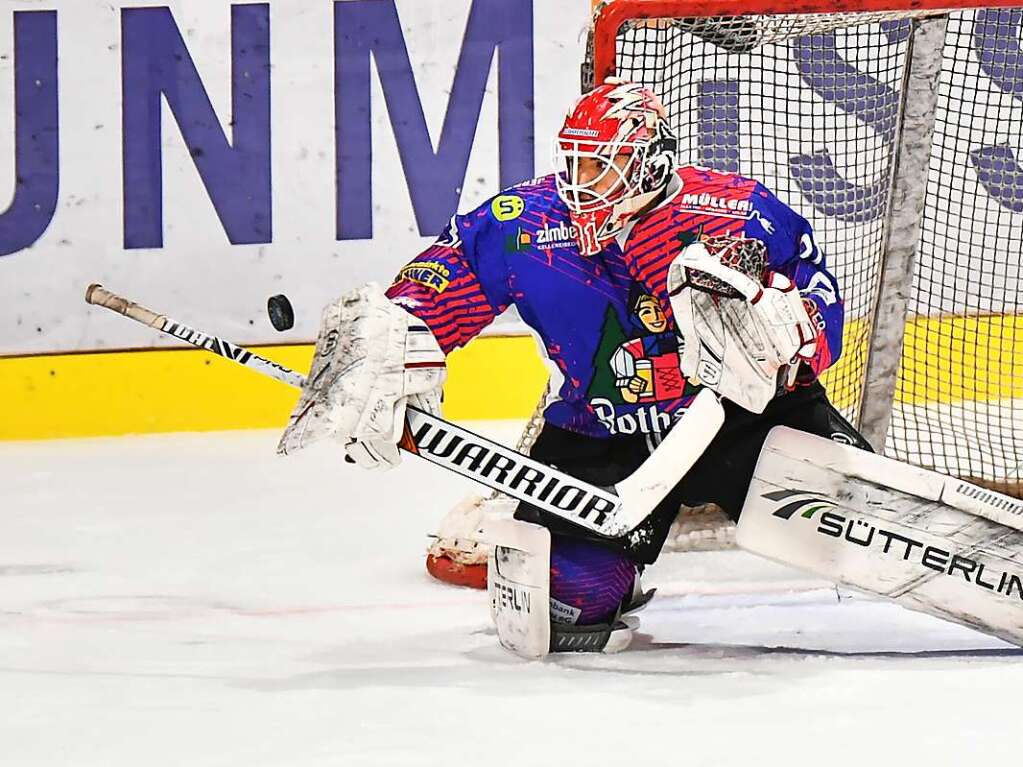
<point x="927" y="541"/>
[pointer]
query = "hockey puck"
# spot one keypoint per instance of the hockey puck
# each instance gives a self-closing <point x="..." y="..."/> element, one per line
<point x="282" y="316"/>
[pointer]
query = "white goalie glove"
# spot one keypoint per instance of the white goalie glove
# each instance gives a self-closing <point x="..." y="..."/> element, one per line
<point x="741" y="338"/>
<point x="372" y="359"/>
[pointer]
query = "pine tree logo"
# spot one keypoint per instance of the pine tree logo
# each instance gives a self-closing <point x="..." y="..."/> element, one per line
<point x="604" y="383"/>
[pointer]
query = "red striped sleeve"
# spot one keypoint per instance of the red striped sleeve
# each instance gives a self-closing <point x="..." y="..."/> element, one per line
<point x="439" y="288"/>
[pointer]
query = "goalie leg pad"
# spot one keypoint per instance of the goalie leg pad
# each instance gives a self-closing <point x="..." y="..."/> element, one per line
<point x="518" y="583"/>
<point x="929" y="542"/>
<point x="530" y="623"/>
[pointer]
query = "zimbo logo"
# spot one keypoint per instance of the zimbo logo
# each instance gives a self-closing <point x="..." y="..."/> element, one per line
<point x="558" y="236"/>
<point x="865" y="534"/>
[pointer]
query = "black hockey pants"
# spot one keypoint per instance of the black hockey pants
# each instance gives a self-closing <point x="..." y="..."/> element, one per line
<point x="722" y="475"/>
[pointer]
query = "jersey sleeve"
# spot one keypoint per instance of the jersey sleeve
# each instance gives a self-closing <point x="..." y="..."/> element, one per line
<point x="793" y="251"/>
<point x="458" y="285"/>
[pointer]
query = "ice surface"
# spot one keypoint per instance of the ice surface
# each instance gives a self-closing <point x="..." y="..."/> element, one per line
<point x="196" y="600"/>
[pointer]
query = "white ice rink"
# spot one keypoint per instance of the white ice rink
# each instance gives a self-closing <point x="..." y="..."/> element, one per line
<point x="196" y="600"/>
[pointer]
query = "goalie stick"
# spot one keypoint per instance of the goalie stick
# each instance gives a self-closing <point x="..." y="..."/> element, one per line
<point x="612" y="513"/>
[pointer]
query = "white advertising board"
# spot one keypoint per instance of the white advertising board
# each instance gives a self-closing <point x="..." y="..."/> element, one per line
<point x="202" y="155"/>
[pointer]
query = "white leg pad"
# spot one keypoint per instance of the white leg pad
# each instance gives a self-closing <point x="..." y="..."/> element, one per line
<point x="518" y="582"/>
<point x="924" y="540"/>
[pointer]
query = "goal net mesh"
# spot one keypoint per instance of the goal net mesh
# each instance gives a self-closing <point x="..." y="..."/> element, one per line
<point x="812" y="105"/>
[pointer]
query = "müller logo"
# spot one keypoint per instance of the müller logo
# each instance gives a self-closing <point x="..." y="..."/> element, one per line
<point x="727" y="207"/>
<point x="883" y="542"/>
<point x="719" y="205"/>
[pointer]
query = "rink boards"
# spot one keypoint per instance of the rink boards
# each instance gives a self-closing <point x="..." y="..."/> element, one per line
<point x="496" y="376"/>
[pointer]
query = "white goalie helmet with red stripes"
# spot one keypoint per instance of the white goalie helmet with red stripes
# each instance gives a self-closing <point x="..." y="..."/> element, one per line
<point x="614" y="154"/>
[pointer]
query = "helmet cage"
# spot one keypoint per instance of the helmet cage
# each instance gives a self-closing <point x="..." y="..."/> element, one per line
<point x="618" y="122"/>
<point x="586" y="196"/>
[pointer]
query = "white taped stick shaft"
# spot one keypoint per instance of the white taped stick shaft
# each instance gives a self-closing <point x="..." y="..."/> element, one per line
<point x="100" y="296"/>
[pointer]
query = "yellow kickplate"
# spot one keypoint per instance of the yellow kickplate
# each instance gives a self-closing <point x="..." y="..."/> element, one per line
<point x="167" y="390"/>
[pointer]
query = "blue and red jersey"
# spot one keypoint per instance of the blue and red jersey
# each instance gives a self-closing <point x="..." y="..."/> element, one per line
<point x="606" y="320"/>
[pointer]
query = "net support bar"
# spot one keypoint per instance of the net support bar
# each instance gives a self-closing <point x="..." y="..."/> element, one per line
<point x="906" y="214"/>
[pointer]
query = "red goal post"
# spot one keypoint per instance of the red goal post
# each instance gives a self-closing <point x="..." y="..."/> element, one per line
<point x="609" y="17"/>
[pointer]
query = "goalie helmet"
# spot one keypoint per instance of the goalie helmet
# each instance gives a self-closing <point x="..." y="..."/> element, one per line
<point x="615" y="154"/>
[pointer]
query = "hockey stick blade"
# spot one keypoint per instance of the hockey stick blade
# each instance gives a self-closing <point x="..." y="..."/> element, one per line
<point x="642" y="490"/>
<point x="610" y="513"/>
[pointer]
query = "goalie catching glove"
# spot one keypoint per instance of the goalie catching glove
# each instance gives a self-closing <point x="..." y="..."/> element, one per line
<point x="743" y="337"/>
<point x="372" y="359"/>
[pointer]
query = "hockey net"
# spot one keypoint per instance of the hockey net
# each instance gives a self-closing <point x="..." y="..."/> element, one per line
<point x="897" y="134"/>
<point x="896" y="131"/>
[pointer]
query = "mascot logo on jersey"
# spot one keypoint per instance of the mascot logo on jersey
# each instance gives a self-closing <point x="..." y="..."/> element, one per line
<point x="647" y="366"/>
<point x="637" y="384"/>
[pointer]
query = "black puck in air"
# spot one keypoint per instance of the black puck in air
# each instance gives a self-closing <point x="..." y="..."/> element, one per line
<point x="282" y="316"/>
